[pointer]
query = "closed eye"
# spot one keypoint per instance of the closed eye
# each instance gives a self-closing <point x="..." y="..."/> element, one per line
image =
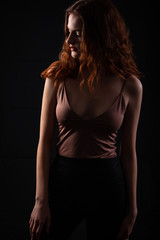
<point x="76" y="33"/>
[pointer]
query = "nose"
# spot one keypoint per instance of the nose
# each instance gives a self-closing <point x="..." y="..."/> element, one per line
<point x="70" y="39"/>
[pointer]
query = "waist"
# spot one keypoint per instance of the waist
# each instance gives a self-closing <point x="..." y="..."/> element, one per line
<point x="83" y="144"/>
<point x="109" y="168"/>
<point x="85" y="161"/>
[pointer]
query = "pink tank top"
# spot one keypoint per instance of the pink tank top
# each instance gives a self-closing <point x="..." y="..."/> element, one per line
<point x="91" y="138"/>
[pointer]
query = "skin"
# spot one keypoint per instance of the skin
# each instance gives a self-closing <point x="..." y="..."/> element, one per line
<point x="40" y="215"/>
<point x="74" y="37"/>
<point x="132" y="93"/>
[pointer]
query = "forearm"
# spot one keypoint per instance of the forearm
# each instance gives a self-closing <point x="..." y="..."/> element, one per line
<point x="129" y="165"/>
<point x="42" y="171"/>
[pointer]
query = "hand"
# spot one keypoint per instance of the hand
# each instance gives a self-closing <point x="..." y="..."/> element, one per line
<point x="126" y="227"/>
<point x="40" y="216"/>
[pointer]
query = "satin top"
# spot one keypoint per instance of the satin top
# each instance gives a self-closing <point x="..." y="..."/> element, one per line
<point x="91" y="138"/>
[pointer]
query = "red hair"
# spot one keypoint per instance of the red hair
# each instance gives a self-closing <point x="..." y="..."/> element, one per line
<point x="105" y="45"/>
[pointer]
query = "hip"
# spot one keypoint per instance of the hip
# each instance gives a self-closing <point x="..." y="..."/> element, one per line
<point x="86" y="181"/>
<point x="109" y="169"/>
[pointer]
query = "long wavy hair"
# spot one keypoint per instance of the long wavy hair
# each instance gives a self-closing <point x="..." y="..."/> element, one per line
<point x="105" y="45"/>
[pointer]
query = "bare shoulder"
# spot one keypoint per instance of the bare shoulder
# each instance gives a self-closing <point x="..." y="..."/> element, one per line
<point x="134" y="86"/>
<point x="49" y="81"/>
<point x="50" y="91"/>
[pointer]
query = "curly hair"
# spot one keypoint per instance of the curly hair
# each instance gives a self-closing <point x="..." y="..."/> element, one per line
<point x="105" y="46"/>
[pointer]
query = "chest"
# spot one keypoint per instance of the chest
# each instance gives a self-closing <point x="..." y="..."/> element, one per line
<point x="84" y="104"/>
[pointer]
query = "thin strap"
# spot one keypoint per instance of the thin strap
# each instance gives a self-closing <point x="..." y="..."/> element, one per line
<point x="59" y="90"/>
<point x="124" y="82"/>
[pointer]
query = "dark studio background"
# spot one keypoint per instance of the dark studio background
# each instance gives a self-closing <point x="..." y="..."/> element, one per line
<point x="32" y="36"/>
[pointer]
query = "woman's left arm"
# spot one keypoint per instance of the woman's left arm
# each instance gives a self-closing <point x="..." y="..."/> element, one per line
<point x="128" y="156"/>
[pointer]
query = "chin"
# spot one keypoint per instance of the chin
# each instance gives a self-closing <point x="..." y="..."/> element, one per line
<point x="75" y="55"/>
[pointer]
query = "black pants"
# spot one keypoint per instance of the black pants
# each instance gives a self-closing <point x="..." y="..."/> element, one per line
<point x="86" y="189"/>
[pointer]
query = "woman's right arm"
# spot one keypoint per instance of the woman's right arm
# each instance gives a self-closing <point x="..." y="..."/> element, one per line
<point x="41" y="214"/>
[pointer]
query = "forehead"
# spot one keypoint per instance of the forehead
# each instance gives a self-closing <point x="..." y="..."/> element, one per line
<point x="74" y="21"/>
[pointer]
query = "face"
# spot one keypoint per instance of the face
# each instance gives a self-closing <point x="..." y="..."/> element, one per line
<point x="74" y="34"/>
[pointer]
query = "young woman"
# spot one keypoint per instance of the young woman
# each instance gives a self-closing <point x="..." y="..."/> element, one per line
<point x="93" y="90"/>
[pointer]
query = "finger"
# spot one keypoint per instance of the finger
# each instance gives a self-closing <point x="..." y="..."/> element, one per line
<point x="33" y="229"/>
<point x="38" y="231"/>
<point x="30" y="223"/>
<point x="35" y="225"/>
<point x="123" y="236"/>
<point x="30" y="228"/>
<point x="32" y="234"/>
<point x="30" y="220"/>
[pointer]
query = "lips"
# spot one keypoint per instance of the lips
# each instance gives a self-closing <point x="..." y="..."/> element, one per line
<point x="73" y="49"/>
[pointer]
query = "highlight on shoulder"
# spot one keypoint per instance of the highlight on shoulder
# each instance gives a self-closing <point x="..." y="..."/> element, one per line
<point x="134" y="86"/>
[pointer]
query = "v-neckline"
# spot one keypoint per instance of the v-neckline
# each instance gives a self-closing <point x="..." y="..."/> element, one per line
<point x="93" y="118"/>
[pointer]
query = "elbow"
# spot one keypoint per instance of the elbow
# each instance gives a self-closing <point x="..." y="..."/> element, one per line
<point x="128" y="153"/>
<point x="45" y="142"/>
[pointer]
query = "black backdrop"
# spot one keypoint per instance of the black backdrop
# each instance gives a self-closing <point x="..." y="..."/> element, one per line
<point x="32" y="36"/>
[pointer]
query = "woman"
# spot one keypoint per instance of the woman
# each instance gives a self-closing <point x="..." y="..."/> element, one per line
<point x="94" y="91"/>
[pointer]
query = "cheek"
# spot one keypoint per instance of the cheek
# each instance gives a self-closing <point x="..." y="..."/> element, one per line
<point x="78" y="43"/>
